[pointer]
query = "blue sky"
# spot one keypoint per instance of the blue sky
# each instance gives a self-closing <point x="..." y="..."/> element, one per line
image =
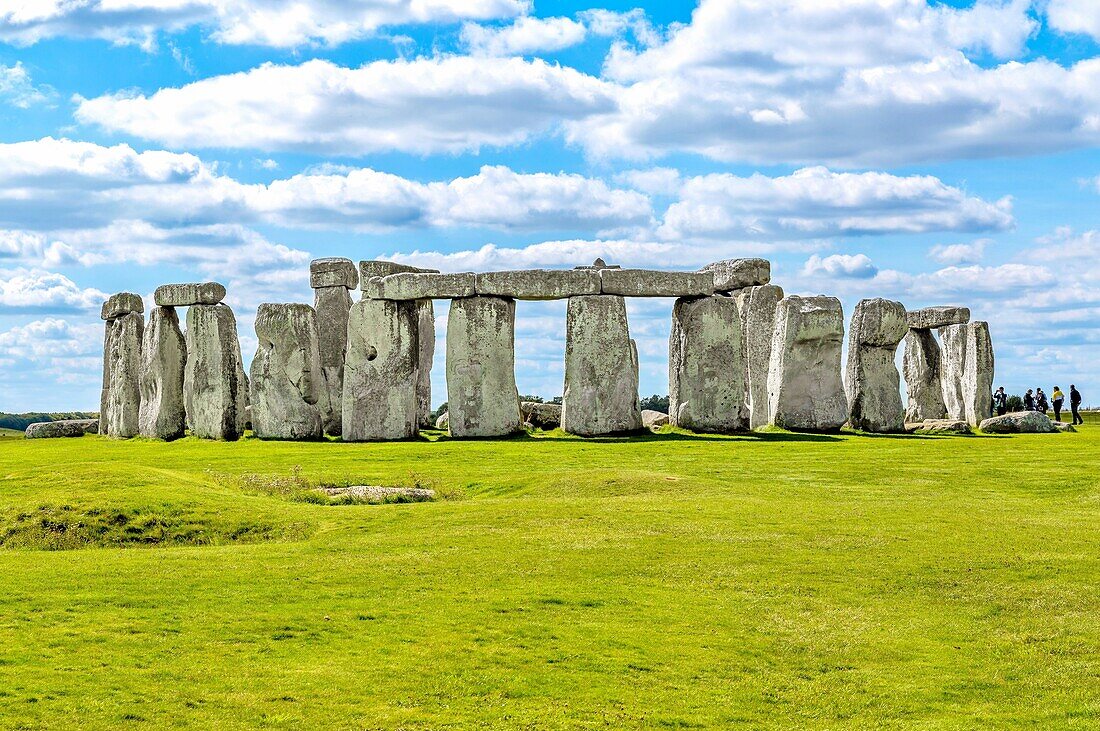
<point x="934" y="153"/>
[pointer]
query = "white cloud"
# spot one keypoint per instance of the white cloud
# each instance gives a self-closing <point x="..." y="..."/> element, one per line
<point x="655" y="181"/>
<point x="816" y="202"/>
<point x="547" y="254"/>
<point x="450" y="104"/>
<point x="959" y="253"/>
<point x="52" y="337"/>
<point x="18" y="90"/>
<point x="279" y="23"/>
<point x="851" y="266"/>
<point x="37" y="290"/>
<point x="524" y="36"/>
<point x="1075" y="16"/>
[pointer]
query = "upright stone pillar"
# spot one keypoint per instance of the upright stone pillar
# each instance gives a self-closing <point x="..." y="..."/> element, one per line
<point x="601" y="368"/>
<point x="124" y="396"/>
<point x="381" y="371"/>
<point x="426" y="336"/>
<point x="757" y="305"/>
<point x="706" y="365"/>
<point x="116" y="307"/>
<point x="953" y="350"/>
<point x="287" y="385"/>
<point x="332" y="280"/>
<point x="163" y="361"/>
<point x="923" y="388"/>
<point x="482" y="399"/>
<point x="805" y="390"/>
<point x="978" y="373"/>
<point x="215" y="387"/>
<point x="874" y="384"/>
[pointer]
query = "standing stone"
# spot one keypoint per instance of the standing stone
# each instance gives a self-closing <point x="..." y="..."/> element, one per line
<point x="874" y="385"/>
<point x="109" y="331"/>
<point x="978" y="373"/>
<point x="163" y="361"/>
<point x="601" y="368"/>
<point x="923" y="389"/>
<point x="805" y="390"/>
<point x="757" y="305"/>
<point x="482" y="399"/>
<point x="953" y="363"/>
<point x="425" y="313"/>
<point x="706" y="366"/>
<point x="215" y="388"/>
<point x="381" y="371"/>
<point x="332" y="305"/>
<point x="287" y="383"/>
<point x="124" y="391"/>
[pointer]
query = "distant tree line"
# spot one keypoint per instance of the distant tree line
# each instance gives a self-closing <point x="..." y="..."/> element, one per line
<point x="21" y="421"/>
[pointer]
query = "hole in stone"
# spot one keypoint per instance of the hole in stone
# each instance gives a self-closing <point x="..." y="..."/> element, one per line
<point x="371" y="353"/>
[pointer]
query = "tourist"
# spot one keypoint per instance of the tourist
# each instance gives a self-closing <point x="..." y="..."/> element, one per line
<point x="1075" y="404"/>
<point x="1056" y="400"/>
<point x="1041" y="403"/>
<point x="1000" y="401"/>
<point x="1029" y="401"/>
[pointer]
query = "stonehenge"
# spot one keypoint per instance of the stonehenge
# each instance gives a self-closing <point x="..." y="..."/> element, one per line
<point x="741" y="356"/>
<point x="873" y="383"/>
<point x="287" y="391"/>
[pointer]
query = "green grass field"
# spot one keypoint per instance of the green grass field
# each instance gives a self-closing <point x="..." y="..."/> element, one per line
<point x="668" y="581"/>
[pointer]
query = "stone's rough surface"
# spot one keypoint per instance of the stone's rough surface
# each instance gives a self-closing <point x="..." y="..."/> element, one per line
<point x="601" y="368"/>
<point x="538" y="284"/>
<point x="332" y="305"/>
<point x="121" y="304"/>
<point x="381" y="371"/>
<point x="873" y="384"/>
<point x="124" y="392"/>
<point x="540" y="415"/>
<point x="482" y="400"/>
<point x="654" y="419"/>
<point x="109" y="331"/>
<point x="706" y="366"/>
<point x="938" y="426"/>
<point x="805" y="390"/>
<point x="734" y="274"/>
<point x="333" y="272"/>
<point x="163" y="361"/>
<point x="415" y="286"/>
<point x="978" y="373"/>
<point x="185" y="295"/>
<point x="653" y="283"/>
<point x="1063" y="426"/>
<point x="1019" y="422"/>
<point x="425" y="313"/>
<point x="379" y="268"/>
<point x="287" y="386"/>
<point x="932" y="318"/>
<point x="64" y="428"/>
<point x="757" y="306"/>
<point x="215" y="388"/>
<point x="952" y="366"/>
<point x="921" y="364"/>
<point x="443" y="421"/>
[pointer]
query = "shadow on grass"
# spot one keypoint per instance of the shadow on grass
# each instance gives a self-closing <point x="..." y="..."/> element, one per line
<point x="557" y="435"/>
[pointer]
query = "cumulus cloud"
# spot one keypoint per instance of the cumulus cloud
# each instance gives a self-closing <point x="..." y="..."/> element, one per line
<point x="959" y="253"/>
<point x="1074" y="16"/>
<point x="449" y="104"/>
<point x="852" y="266"/>
<point x="524" y="36"/>
<point x="17" y="89"/>
<point x="38" y="290"/>
<point x="52" y="337"/>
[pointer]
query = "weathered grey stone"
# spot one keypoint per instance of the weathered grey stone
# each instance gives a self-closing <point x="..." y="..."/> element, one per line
<point x="938" y="426"/>
<point x="601" y="368"/>
<point x="163" y="361"/>
<point x="538" y="284"/>
<point x="333" y="272"/>
<point x="381" y="371"/>
<point x="332" y="305"/>
<point x="443" y="422"/>
<point x="109" y="331"/>
<point x="415" y="286"/>
<point x="425" y="312"/>
<point x="124" y="394"/>
<point x="706" y="366"/>
<point x="598" y="265"/>
<point x="932" y="318"/>
<point x="757" y="306"/>
<point x="873" y="385"/>
<point x="805" y="390"/>
<point x="286" y="387"/>
<point x="62" y="428"/>
<point x="952" y="366"/>
<point x="653" y="283"/>
<point x="540" y="415"/>
<point x="923" y="389"/>
<point x="121" y="304"/>
<point x="734" y="274"/>
<point x="1019" y="422"/>
<point x="1063" y="426"/>
<point x="654" y="419"/>
<point x="380" y="268"/>
<point x="978" y="373"/>
<point x="215" y="387"/>
<point x="482" y="400"/>
<point x="185" y="295"/>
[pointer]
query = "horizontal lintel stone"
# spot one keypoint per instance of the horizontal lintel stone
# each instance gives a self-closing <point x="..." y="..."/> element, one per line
<point x="654" y="283"/>
<point x="538" y="284"/>
<point x="185" y="295"/>
<point x="380" y="268"/>
<point x="333" y="272"/>
<point x="930" y="318"/>
<point x="734" y="274"/>
<point x="121" y="304"/>
<point x="415" y="286"/>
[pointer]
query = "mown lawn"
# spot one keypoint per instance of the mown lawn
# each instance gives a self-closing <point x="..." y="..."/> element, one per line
<point x="668" y="581"/>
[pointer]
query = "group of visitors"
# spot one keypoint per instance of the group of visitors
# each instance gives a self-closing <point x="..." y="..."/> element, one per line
<point x="1037" y="401"/>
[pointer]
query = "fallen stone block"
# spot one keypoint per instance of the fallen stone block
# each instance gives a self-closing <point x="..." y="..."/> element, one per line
<point x="62" y="428"/>
<point x="654" y="419"/>
<point x="655" y="283"/>
<point x="215" y="387"/>
<point x="185" y="295"/>
<point x="163" y="361"/>
<point x="381" y="371"/>
<point x="443" y="422"/>
<point x="873" y="384"/>
<point x="805" y="389"/>
<point x="538" y="284"/>
<point x="121" y="304"/>
<point x="333" y="272"/>
<point x="414" y="286"/>
<point x="757" y="306"/>
<point x="938" y="426"/>
<point x="733" y="274"/>
<point x="540" y="415"/>
<point x="1063" y="426"/>
<point x="286" y="387"/>
<point x="1019" y="422"/>
<point x="482" y="400"/>
<point x="933" y="318"/>
<point x="706" y="366"/>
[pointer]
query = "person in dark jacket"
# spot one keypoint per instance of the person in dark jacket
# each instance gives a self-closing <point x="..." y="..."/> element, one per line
<point x="1029" y="401"/>
<point x="1041" y="403"/>
<point x="1000" y="401"/>
<point x="1075" y="404"/>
